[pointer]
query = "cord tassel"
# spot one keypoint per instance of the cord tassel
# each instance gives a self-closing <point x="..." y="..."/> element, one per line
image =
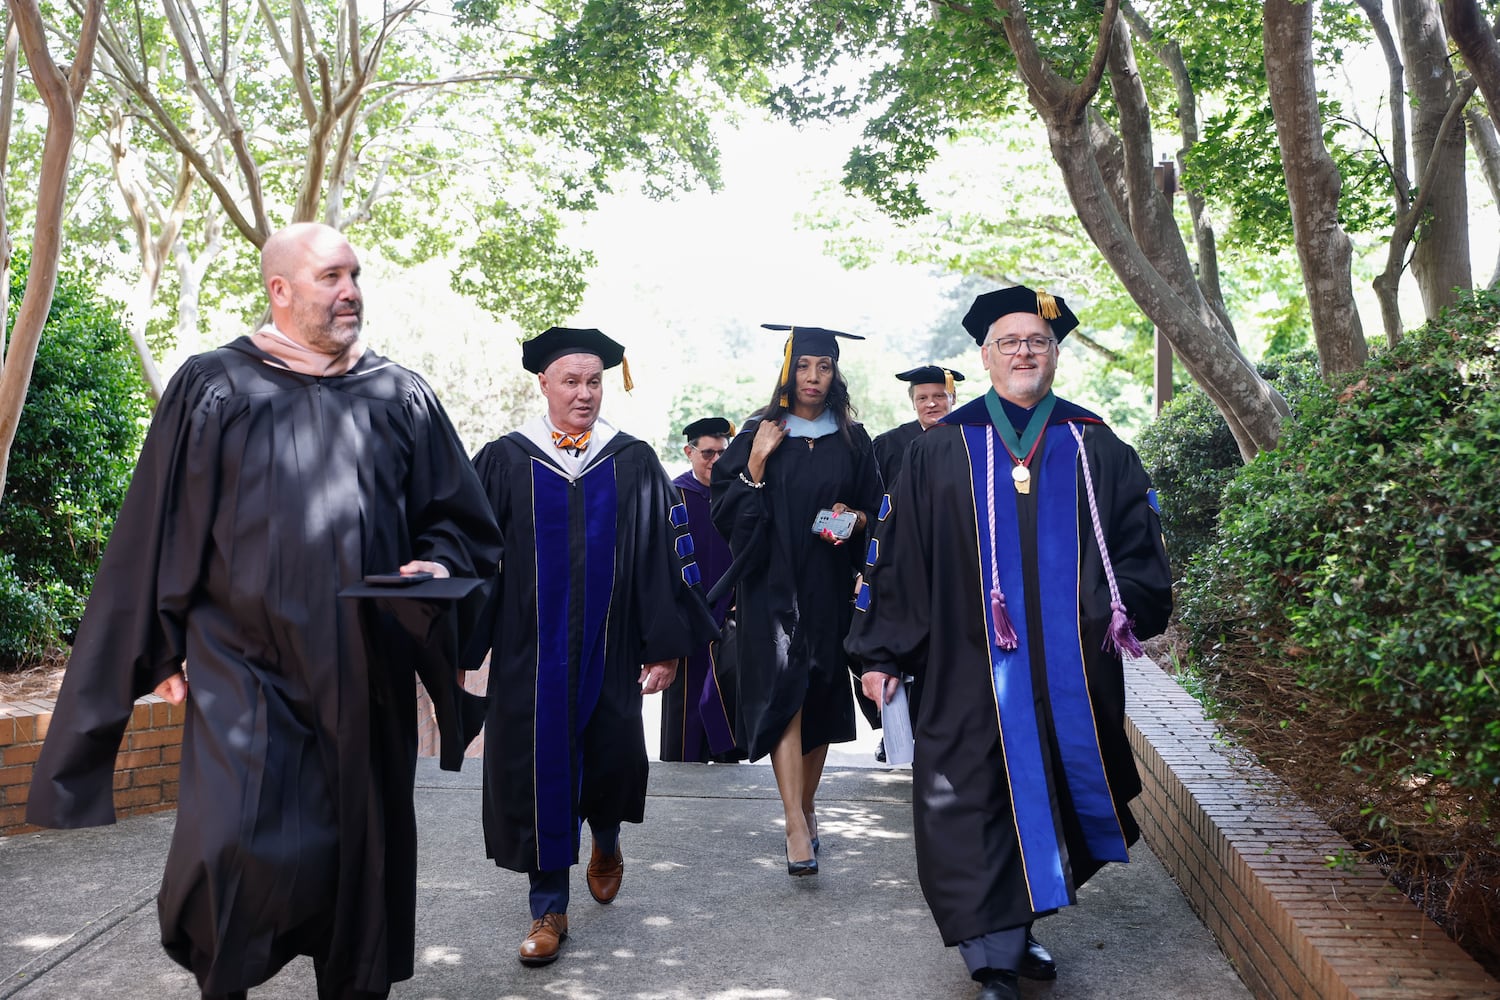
<point x="786" y="367"/>
<point x="1121" y="635"/>
<point x="1122" y="632"/>
<point x="1005" y="632"/>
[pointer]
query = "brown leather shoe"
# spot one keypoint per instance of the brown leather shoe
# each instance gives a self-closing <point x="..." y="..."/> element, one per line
<point x="605" y="874"/>
<point x="545" y="939"/>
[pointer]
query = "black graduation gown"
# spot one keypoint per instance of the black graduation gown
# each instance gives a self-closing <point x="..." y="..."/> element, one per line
<point x="600" y="580"/>
<point x="259" y="494"/>
<point x="1057" y="703"/>
<point x="697" y="723"/>
<point x="794" y="601"/>
<point x="890" y="449"/>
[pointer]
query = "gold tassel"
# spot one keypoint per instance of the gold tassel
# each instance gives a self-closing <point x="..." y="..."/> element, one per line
<point x="786" y="367"/>
<point x="625" y="370"/>
<point x="1046" y="305"/>
<point x="731" y="428"/>
<point x="947" y="381"/>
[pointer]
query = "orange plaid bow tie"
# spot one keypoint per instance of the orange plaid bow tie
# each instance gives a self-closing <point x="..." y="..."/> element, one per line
<point x="576" y="442"/>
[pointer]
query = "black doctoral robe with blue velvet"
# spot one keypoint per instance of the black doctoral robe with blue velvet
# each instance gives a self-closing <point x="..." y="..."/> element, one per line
<point x="599" y="578"/>
<point x="697" y="718"/>
<point x="1042" y="726"/>
<point x="260" y="493"/>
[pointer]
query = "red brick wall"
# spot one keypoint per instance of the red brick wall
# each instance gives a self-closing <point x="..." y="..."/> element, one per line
<point x="1251" y="859"/>
<point x="146" y="769"/>
<point x="145" y="772"/>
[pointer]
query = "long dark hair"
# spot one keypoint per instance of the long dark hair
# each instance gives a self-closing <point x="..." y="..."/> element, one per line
<point x="838" y="399"/>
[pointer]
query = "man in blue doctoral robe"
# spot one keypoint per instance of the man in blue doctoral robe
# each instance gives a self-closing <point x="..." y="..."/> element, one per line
<point x="1002" y="572"/>
<point x="595" y="603"/>
<point x="697" y="714"/>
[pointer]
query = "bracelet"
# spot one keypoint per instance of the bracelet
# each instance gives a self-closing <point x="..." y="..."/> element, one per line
<point x="751" y="483"/>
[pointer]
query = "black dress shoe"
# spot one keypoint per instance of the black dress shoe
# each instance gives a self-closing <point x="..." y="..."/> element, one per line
<point x="999" y="985"/>
<point x="880" y="750"/>
<point x="1036" y="962"/>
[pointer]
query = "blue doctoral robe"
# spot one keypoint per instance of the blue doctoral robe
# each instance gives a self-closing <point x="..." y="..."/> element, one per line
<point x="1022" y="772"/>
<point x="599" y="578"/>
<point x="697" y="717"/>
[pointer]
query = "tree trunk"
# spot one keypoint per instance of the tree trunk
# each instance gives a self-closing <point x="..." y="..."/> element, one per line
<point x="1171" y="300"/>
<point x="1387" y="284"/>
<point x="1476" y="40"/>
<point x="1487" y="150"/>
<point x="1441" y="260"/>
<point x="1204" y="240"/>
<point x="8" y="71"/>
<point x="1312" y="183"/>
<point x="61" y="93"/>
<point x="190" y="272"/>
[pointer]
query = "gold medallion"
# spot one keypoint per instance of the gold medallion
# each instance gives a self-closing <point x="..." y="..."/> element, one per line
<point x="1022" y="477"/>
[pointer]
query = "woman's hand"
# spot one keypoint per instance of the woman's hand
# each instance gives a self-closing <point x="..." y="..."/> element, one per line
<point x="859" y="524"/>
<point x="768" y="437"/>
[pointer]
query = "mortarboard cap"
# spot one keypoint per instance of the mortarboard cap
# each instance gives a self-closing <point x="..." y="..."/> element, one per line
<point x="1018" y="298"/>
<point x="560" y="341"/>
<point x="931" y="375"/>
<point x="807" y="341"/>
<point x="712" y="426"/>
<point x="813" y="341"/>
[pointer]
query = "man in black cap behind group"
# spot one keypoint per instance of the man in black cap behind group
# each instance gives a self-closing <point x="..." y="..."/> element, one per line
<point x="697" y="718"/>
<point x="594" y="607"/>
<point x="1003" y="572"/>
<point x="930" y="389"/>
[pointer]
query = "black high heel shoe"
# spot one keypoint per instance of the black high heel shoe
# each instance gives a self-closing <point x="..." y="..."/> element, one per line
<point x="799" y="868"/>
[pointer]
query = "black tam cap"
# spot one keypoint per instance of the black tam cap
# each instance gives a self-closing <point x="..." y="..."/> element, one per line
<point x="931" y="375"/>
<point x="813" y="341"/>
<point x="1018" y="298"/>
<point x="545" y="348"/>
<point x="711" y="426"/>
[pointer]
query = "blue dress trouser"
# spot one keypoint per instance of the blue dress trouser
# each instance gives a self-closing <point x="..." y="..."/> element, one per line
<point x="549" y="890"/>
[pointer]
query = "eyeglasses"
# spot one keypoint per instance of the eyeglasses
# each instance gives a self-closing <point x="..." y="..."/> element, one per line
<point x="1038" y="345"/>
<point x="709" y="453"/>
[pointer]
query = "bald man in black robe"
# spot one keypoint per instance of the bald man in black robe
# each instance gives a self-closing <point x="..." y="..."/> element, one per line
<point x="280" y="470"/>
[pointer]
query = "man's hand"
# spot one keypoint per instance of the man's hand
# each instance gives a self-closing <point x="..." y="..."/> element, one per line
<point x="657" y="676"/>
<point x="437" y="569"/>
<point x="879" y="687"/>
<point x="174" y="689"/>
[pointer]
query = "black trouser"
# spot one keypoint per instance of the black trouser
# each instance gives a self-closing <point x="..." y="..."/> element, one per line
<point x="326" y="990"/>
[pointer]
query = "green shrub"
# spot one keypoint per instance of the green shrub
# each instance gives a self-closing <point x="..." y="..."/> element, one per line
<point x="29" y="625"/>
<point x="77" y="441"/>
<point x="1190" y="454"/>
<point x="1358" y="565"/>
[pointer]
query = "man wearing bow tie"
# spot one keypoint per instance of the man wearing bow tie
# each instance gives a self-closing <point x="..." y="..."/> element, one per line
<point x="595" y="603"/>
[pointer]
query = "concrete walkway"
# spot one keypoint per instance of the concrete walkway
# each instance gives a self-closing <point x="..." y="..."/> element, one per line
<point x="707" y="909"/>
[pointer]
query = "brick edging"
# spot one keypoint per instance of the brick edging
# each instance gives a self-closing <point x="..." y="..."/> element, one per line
<point x="1250" y="857"/>
<point x="145" y="770"/>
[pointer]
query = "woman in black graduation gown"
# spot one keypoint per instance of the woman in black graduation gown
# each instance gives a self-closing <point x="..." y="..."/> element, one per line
<point x="802" y="454"/>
